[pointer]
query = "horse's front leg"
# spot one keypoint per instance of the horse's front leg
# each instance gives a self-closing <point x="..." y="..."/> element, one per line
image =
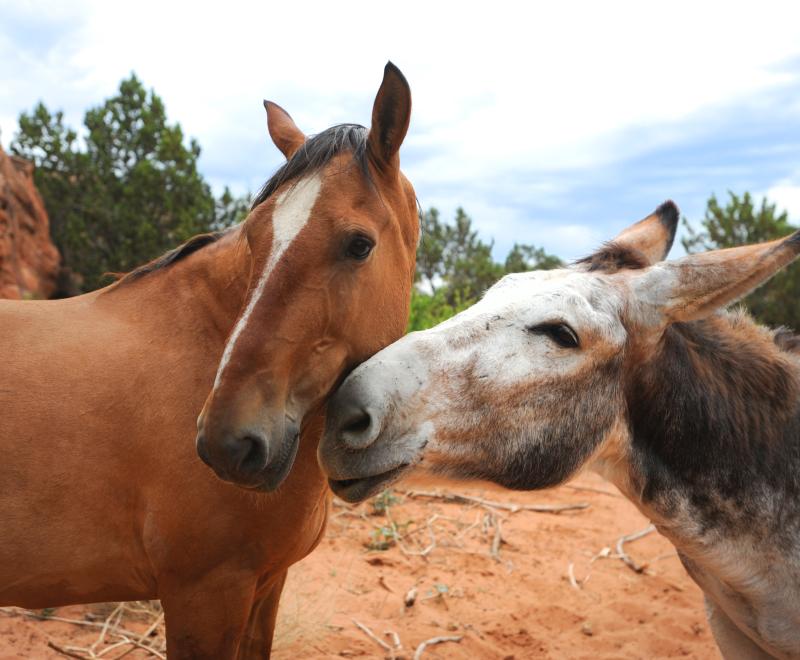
<point x="206" y="616"/>
<point x="257" y="638"/>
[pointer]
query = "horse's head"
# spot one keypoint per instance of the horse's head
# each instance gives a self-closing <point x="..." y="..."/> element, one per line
<point x="332" y="238"/>
<point x="529" y="384"/>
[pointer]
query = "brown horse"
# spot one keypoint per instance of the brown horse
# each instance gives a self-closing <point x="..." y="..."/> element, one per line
<point x="627" y="365"/>
<point x="102" y="494"/>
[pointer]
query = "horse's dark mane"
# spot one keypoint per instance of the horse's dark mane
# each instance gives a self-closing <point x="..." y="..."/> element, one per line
<point x="176" y="254"/>
<point x="315" y="153"/>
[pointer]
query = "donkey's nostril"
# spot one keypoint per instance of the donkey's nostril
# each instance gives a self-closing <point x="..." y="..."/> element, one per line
<point x="356" y="422"/>
<point x="357" y="428"/>
<point x="252" y="453"/>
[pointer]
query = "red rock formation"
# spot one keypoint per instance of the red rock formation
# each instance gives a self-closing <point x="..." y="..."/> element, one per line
<point x="29" y="262"/>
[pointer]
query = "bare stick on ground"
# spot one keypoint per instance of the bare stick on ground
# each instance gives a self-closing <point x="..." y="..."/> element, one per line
<point x="625" y="557"/>
<point x="374" y="637"/>
<point x="505" y="506"/>
<point x="434" y="640"/>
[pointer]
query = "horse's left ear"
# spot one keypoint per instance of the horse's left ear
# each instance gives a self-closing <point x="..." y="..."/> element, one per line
<point x="391" y="114"/>
<point x="282" y="129"/>
<point x="642" y="244"/>
<point x="698" y="285"/>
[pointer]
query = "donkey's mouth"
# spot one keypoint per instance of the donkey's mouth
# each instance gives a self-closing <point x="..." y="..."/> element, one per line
<point x="357" y="490"/>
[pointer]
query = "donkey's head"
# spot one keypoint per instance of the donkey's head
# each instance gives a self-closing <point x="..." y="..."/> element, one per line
<point x="528" y="385"/>
<point x="332" y="237"/>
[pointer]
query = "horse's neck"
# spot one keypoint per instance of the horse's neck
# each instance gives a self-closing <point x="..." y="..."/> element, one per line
<point x="194" y="302"/>
<point x="714" y="422"/>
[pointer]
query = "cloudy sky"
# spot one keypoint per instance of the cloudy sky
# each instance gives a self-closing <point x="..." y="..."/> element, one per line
<point x="550" y="123"/>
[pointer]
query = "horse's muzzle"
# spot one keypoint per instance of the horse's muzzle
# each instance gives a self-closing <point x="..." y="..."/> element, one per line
<point x="249" y="458"/>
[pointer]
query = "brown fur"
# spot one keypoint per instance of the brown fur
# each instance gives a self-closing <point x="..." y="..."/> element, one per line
<point x="102" y="494"/>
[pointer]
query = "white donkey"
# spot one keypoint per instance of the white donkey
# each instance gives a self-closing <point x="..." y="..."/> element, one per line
<point x="625" y="364"/>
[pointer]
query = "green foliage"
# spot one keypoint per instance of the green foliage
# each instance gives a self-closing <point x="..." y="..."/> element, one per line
<point x="742" y="222"/>
<point x="430" y="310"/>
<point x="127" y="192"/>
<point x="381" y="503"/>
<point x="455" y="267"/>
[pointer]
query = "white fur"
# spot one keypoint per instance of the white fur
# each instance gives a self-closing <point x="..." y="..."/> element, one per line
<point x="292" y="212"/>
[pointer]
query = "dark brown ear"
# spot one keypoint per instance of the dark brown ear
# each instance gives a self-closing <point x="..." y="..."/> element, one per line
<point x="391" y="114"/>
<point x="698" y="285"/>
<point x="283" y="131"/>
<point x="642" y="244"/>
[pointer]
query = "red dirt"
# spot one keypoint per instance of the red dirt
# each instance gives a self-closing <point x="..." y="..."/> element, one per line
<point x="518" y="605"/>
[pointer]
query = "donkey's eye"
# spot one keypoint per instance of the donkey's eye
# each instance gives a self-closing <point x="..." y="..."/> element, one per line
<point x="560" y="333"/>
<point x="359" y="247"/>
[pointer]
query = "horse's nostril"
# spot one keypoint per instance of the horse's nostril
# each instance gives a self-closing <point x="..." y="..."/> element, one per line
<point x="253" y="454"/>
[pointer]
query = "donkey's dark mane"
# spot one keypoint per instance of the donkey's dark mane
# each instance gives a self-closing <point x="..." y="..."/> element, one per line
<point x="717" y="408"/>
<point x="612" y="257"/>
<point x="315" y="153"/>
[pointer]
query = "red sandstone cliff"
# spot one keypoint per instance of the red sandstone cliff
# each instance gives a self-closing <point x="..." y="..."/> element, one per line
<point x="29" y="262"/>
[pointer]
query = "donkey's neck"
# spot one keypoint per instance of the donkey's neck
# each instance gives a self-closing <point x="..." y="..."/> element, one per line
<point x="714" y="424"/>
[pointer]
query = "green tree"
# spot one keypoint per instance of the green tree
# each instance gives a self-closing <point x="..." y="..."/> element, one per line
<point x="455" y="267"/>
<point x="527" y="257"/>
<point x="741" y="222"/>
<point x="127" y="192"/>
<point x="230" y="210"/>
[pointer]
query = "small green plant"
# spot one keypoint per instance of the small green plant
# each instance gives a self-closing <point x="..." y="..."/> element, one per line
<point x="381" y="503"/>
<point x="47" y="612"/>
<point x="382" y="538"/>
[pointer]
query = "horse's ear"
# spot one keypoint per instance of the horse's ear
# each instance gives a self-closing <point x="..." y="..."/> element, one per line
<point x="391" y="114"/>
<point x="642" y="244"/>
<point x="695" y="286"/>
<point x="282" y="129"/>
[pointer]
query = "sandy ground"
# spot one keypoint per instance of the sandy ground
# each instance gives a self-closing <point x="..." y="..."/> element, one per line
<point x="507" y="595"/>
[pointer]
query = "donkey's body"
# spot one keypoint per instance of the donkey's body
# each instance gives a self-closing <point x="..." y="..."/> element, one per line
<point x="623" y="364"/>
<point x="714" y="461"/>
<point x="102" y="493"/>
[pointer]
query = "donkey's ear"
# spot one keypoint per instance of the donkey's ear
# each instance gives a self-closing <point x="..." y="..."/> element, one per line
<point x="697" y="285"/>
<point x="282" y="129"/>
<point x="642" y="244"/>
<point x="391" y="114"/>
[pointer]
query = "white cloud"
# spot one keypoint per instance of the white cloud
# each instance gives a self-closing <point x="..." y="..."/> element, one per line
<point x="786" y="195"/>
<point x="505" y="94"/>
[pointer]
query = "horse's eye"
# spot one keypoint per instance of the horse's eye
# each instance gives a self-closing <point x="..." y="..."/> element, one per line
<point x="359" y="247"/>
<point x="560" y="333"/>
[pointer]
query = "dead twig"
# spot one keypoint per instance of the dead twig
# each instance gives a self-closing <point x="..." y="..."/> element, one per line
<point x="505" y="506"/>
<point x="628" y="538"/>
<point x="398" y="645"/>
<point x="63" y="651"/>
<point x="434" y="640"/>
<point x="592" y="490"/>
<point x="374" y="637"/>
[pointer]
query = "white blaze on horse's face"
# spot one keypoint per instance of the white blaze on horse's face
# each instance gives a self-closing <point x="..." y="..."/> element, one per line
<point x="292" y="212"/>
<point x="486" y="389"/>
